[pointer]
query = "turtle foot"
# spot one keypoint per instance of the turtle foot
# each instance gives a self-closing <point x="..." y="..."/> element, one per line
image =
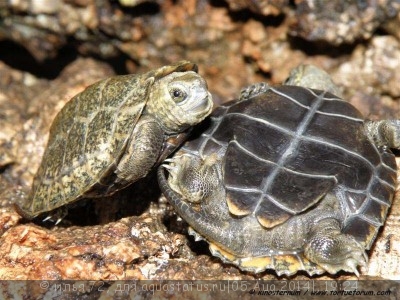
<point x="193" y="177"/>
<point x="336" y="252"/>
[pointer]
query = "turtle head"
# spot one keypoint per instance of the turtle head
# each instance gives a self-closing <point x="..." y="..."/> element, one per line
<point x="179" y="100"/>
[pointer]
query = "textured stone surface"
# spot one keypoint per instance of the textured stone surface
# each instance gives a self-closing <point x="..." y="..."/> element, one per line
<point x="338" y="22"/>
<point x="263" y="7"/>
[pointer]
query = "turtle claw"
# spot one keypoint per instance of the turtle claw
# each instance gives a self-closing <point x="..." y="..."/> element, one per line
<point x="350" y="265"/>
<point x="355" y="256"/>
<point x="355" y="271"/>
<point x="176" y="157"/>
<point x="57" y="215"/>
<point x="48" y="218"/>
<point x="170" y="163"/>
<point x="168" y="160"/>
<point x="173" y="164"/>
<point x="168" y="167"/>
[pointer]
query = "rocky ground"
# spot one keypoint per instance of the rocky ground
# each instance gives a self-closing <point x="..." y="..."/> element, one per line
<point x="51" y="50"/>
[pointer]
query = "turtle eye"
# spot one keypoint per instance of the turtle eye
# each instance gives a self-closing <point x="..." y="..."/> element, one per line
<point x="178" y="95"/>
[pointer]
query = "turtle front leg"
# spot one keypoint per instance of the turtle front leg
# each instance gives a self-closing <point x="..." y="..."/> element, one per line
<point x="142" y="152"/>
<point x="192" y="177"/>
<point x="333" y="250"/>
<point x="384" y="133"/>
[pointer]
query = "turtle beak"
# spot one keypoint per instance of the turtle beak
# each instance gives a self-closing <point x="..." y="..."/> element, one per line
<point x="202" y="107"/>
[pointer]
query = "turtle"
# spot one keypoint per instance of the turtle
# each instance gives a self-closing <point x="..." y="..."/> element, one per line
<point x="114" y="132"/>
<point x="286" y="177"/>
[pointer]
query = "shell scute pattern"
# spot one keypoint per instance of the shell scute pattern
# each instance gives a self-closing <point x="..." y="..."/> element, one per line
<point x="94" y="148"/>
<point x="354" y="164"/>
<point x="89" y="146"/>
<point x="295" y="163"/>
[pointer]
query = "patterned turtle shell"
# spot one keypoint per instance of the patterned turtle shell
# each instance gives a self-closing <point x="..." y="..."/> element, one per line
<point x="314" y="143"/>
<point x="282" y="150"/>
<point x="91" y="133"/>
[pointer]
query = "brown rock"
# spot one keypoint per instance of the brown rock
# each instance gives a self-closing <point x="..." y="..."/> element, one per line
<point x="264" y="7"/>
<point x="337" y="22"/>
<point x="373" y="68"/>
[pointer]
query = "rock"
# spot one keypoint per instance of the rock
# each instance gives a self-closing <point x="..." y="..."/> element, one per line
<point x="337" y="22"/>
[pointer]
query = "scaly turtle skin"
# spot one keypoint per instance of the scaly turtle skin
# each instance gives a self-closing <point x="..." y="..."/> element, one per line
<point x="286" y="178"/>
<point x="114" y="132"/>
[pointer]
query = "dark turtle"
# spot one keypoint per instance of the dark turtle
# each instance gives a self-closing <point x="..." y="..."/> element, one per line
<point x="114" y="132"/>
<point x="286" y="178"/>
